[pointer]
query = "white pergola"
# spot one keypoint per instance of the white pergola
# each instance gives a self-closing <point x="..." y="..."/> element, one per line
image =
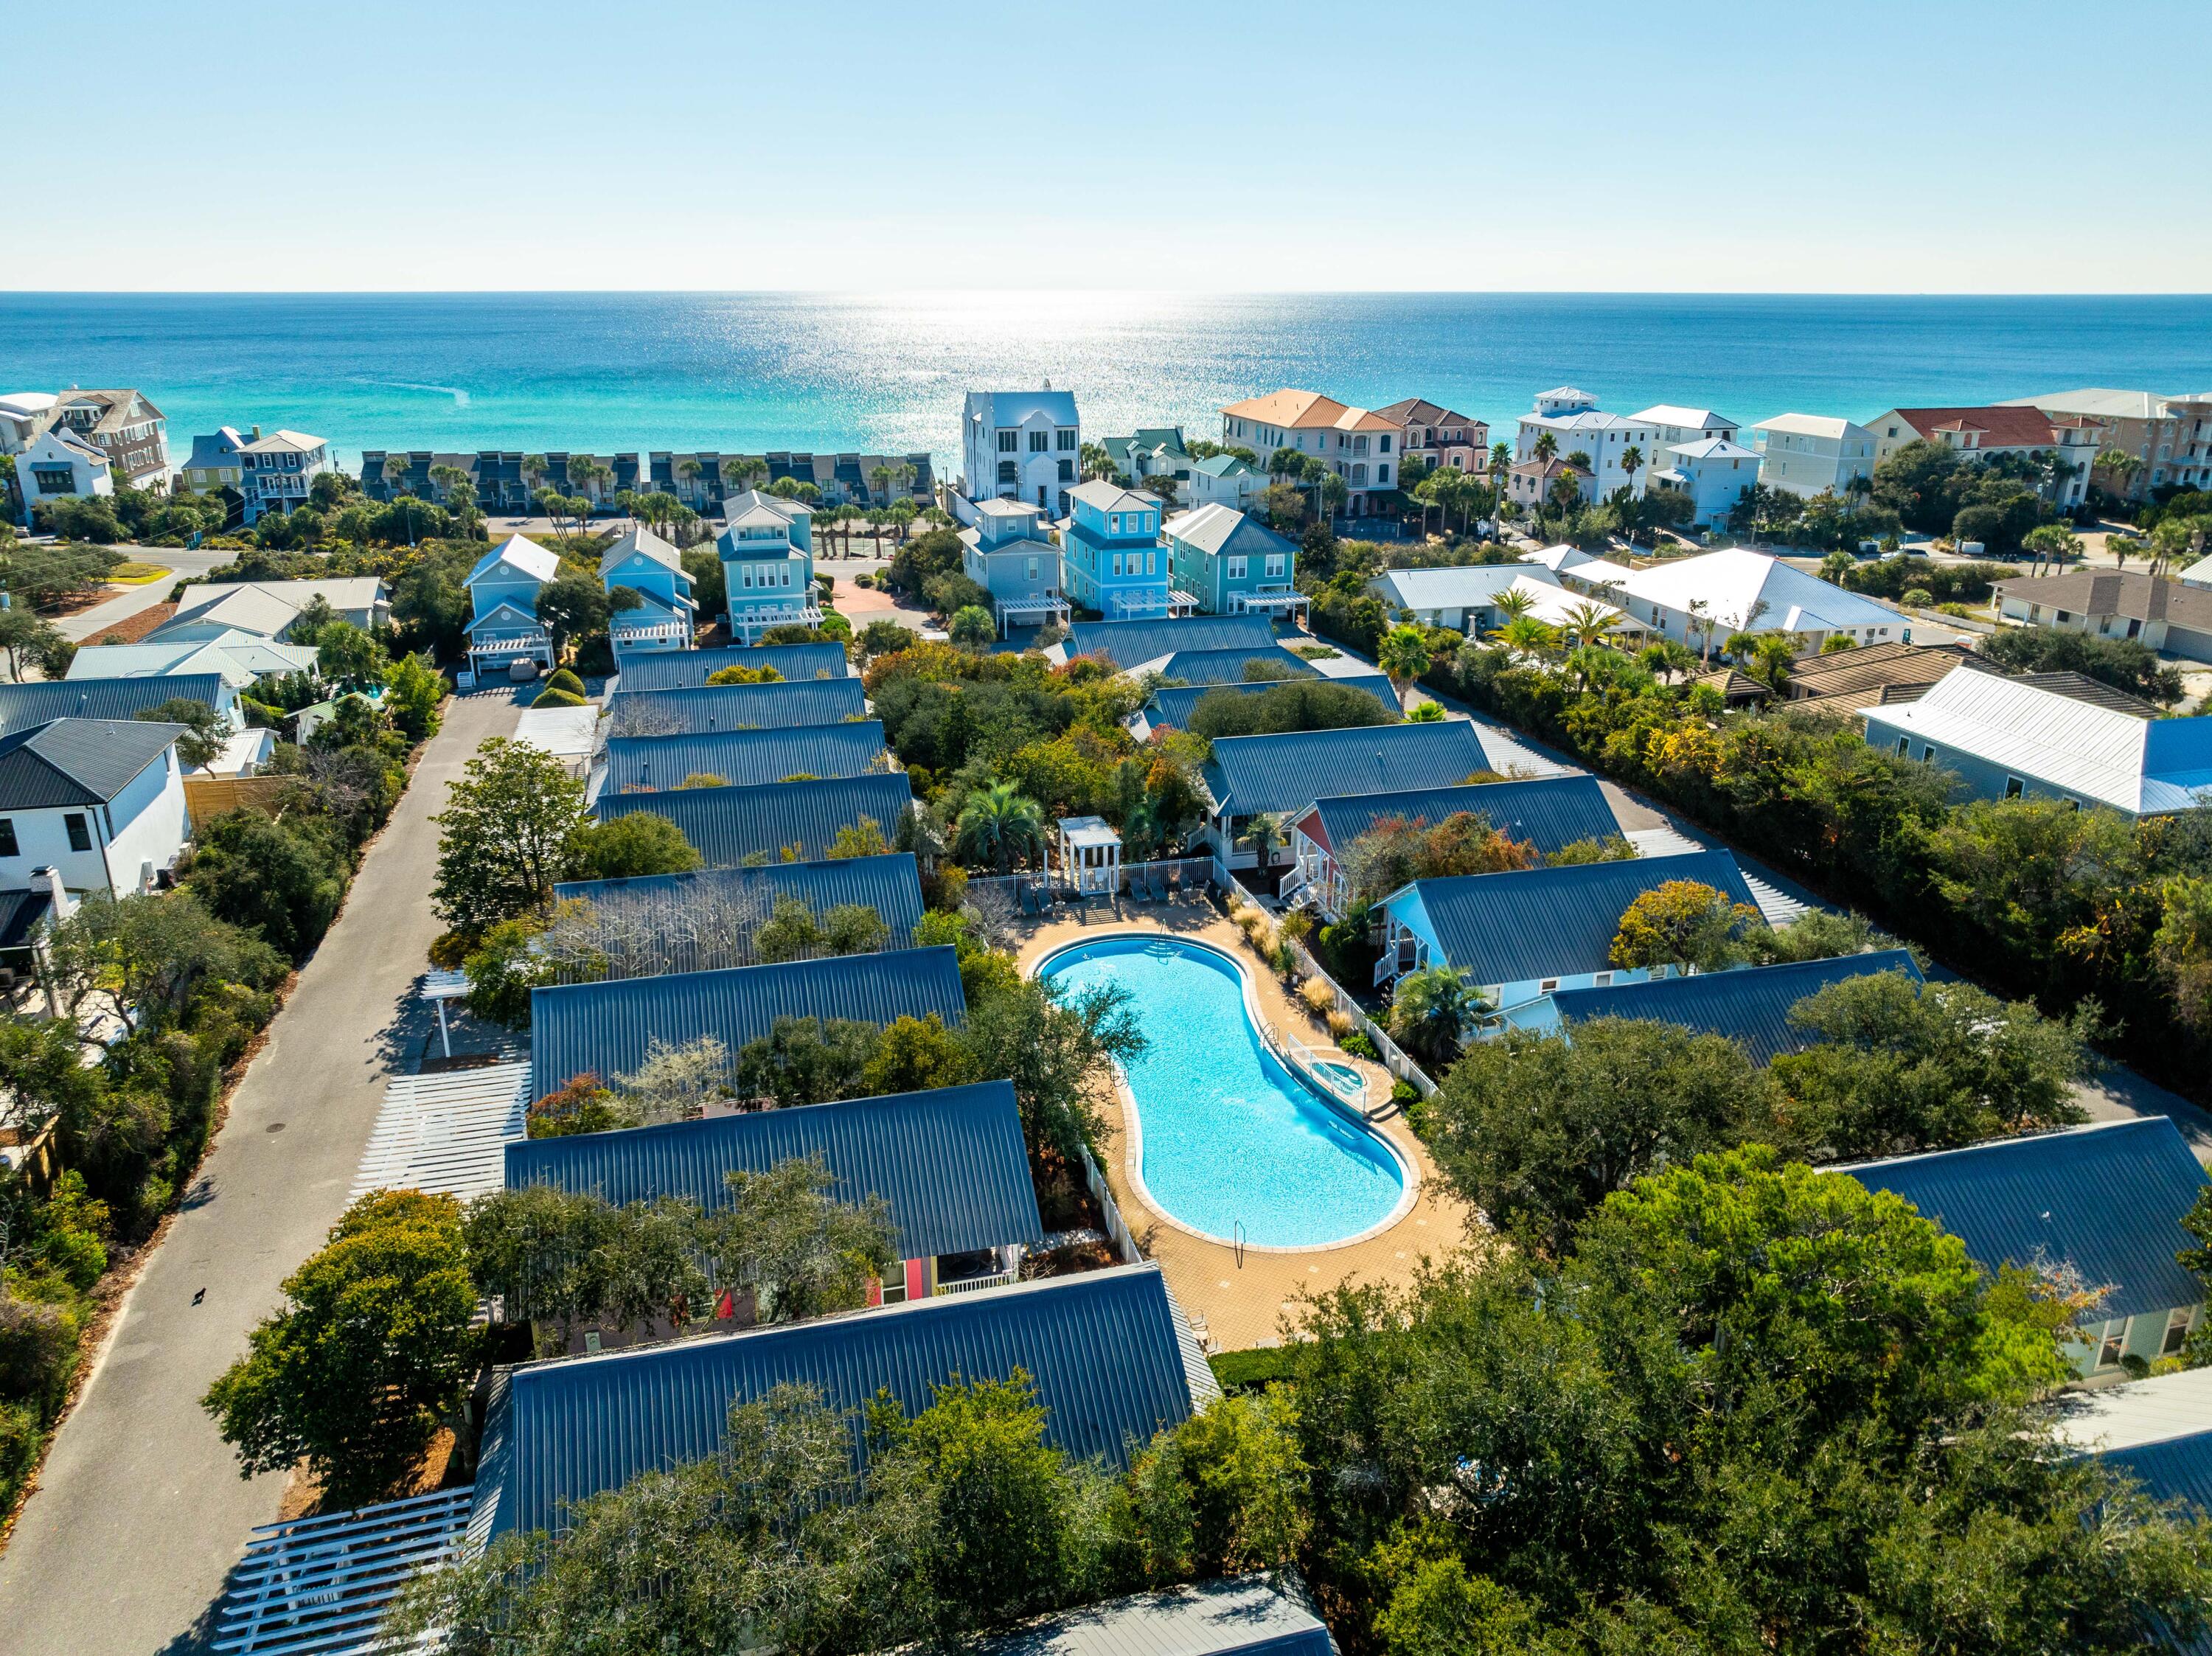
<point x="1272" y="604"/>
<point x="446" y="1132"/>
<point x="1130" y="606"/>
<point x="1036" y="610"/>
<point x="752" y="622"/>
<point x="322" y="1585"/>
<point x="1090" y="854"/>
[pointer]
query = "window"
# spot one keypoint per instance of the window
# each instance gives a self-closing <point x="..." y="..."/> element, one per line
<point x="1037" y="442"/>
<point x="1903" y="746"/>
<point x="1275" y="561"/>
<point x="1928" y="753"/>
<point x="1113" y="522"/>
<point x="1151" y="563"/>
<point x="1064" y="438"/>
<point x="7" y="846"/>
<point x="1067" y="471"/>
<point x="1008" y="442"/>
<point x="1383" y="473"/>
<point x="79" y="834"/>
<point x="1385" y="446"/>
<point x="2177" y="1332"/>
<point x="2014" y="787"/>
<point x="1548" y="985"/>
<point x="1007" y="472"/>
<point x="1237" y="570"/>
<point x="1032" y="569"/>
<point x="2114" y="1343"/>
<point x="1602" y="980"/>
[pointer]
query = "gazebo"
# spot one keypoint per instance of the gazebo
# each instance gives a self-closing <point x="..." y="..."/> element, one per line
<point x="1091" y="855"/>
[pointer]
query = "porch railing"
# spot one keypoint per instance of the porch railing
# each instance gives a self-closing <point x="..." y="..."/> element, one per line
<point x="977" y="1284"/>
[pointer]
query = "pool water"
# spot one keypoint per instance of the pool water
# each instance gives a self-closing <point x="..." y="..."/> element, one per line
<point x="1230" y="1135"/>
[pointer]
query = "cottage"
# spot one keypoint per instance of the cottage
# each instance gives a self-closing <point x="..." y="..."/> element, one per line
<point x="2104" y="1200"/>
<point x="1009" y="552"/>
<point x="742" y="758"/>
<point x="91" y="805"/>
<point x="949" y="1163"/>
<point x="691" y="669"/>
<point x="270" y="609"/>
<point x="791" y="704"/>
<point x="1750" y="1007"/>
<point x="773" y="821"/>
<point x="1232" y="564"/>
<point x="24" y="707"/>
<point x="2117" y="603"/>
<point x="503" y="587"/>
<point x="1131" y="644"/>
<point x="238" y="657"/>
<point x="1111" y="553"/>
<point x="1524" y="935"/>
<point x="1464" y="599"/>
<point x="1150" y="452"/>
<point x="1225" y="480"/>
<point x="767" y="549"/>
<point x="1703" y="600"/>
<point x="649" y="566"/>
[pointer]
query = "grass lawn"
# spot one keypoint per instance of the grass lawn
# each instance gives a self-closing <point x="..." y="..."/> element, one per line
<point x="134" y="574"/>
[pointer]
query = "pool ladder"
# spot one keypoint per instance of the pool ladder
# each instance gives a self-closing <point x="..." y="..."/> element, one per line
<point x="1236" y="1240"/>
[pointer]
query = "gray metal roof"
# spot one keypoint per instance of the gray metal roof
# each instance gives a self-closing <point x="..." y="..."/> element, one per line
<point x="890" y="884"/>
<point x="686" y="669"/>
<point x="2106" y="1198"/>
<point x="727" y="825"/>
<point x="78" y="761"/>
<point x="1129" y="643"/>
<point x="739" y="707"/>
<point x="1750" y="1007"/>
<point x="606" y="1027"/>
<point x="744" y="758"/>
<point x="1235" y="1616"/>
<point x="1227" y="666"/>
<point x="1547" y="812"/>
<point x="950" y="1162"/>
<point x="1217" y="530"/>
<point x="1249" y="773"/>
<point x="1554" y="922"/>
<point x="22" y="705"/>
<point x="1105" y="1351"/>
<point x="1175" y="706"/>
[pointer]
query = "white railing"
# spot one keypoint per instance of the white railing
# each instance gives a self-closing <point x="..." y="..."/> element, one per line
<point x="1394" y="1056"/>
<point x="1117" y="1227"/>
<point x="977" y="1284"/>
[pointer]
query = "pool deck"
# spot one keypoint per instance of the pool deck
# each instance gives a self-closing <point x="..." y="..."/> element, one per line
<point x="1246" y="1304"/>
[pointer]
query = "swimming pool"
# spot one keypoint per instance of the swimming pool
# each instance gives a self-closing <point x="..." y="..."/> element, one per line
<point x="1224" y="1134"/>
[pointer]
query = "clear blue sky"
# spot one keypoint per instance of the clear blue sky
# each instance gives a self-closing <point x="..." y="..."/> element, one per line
<point x="1925" y="147"/>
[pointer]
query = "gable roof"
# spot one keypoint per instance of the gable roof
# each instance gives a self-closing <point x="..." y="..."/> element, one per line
<point x="1467" y="587"/>
<point x="1713" y="448"/>
<point x="950" y="1162"/>
<point x="2103" y="755"/>
<point x="216" y="451"/>
<point x="1874" y="667"/>
<point x="2106" y="1198"/>
<point x="1419" y="411"/>
<point x="1734" y="581"/>
<point x="505" y="616"/>
<point x="1228" y="666"/>
<point x="1174" y="705"/>
<point x="2131" y="593"/>
<point x="1559" y="557"/>
<point x="607" y="1026"/>
<point x="2001" y="425"/>
<point x="77" y="762"/>
<point x="1234" y="1616"/>
<point x="238" y="658"/>
<point x="1129" y="643"/>
<point x="1751" y="1007"/>
<point x="1812" y="425"/>
<point x="520" y="554"/>
<point x="1217" y="530"/>
<point x="1547" y="811"/>
<point x="1108" y="1352"/>
<point x="1014" y="408"/>
<point x="1674" y="414"/>
<point x="742" y="758"/>
<point x="1553" y="922"/>
<point x="284" y="440"/>
<point x="1103" y="495"/>
<point x="1251" y="773"/>
<point x="24" y="707"/>
<point x="638" y="541"/>
<point x="727" y="825"/>
<point x="1226" y="465"/>
<point x="753" y="506"/>
<point x="890" y="884"/>
<point x="793" y="705"/>
<point x="687" y="670"/>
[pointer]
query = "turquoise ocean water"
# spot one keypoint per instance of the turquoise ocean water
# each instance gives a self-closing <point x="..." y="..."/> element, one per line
<point x="606" y="372"/>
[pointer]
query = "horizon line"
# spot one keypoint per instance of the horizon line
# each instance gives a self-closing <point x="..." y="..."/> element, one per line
<point x="1071" y="291"/>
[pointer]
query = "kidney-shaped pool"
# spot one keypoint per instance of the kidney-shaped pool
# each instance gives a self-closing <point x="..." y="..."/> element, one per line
<point x="1227" y="1135"/>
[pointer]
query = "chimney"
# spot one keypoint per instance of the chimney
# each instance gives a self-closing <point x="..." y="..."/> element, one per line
<point x="256" y="433"/>
<point x="50" y="880"/>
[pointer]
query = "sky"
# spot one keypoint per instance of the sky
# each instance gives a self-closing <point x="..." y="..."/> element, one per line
<point x="1926" y="146"/>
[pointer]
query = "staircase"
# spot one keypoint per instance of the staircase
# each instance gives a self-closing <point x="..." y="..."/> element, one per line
<point x="1775" y="906"/>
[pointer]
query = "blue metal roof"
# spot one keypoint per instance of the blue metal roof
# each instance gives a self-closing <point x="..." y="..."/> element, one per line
<point x="1551" y="922"/>
<point x="1547" y="812"/>
<point x="1252" y="773"/>
<point x="1175" y="706"/>
<point x="744" y="758"/>
<point x="1130" y="643"/>
<point x="727" y="825"/>
<point x="1105" y="1350"/>
<point x="687" y="670"/>
<point x="2108" y="1199"/>
<point x="1235" y="1616"/>
<point x="890" y="884"/>
<point x="1227" y="666"/>
<point x="23" y="705"/>
<point x="739" y="707"/>
<point x="2177" y="1468"/>
<point x="1750" y="1007"/>
<point x="605" y="1026"/>
<point x="951" y="1162"/>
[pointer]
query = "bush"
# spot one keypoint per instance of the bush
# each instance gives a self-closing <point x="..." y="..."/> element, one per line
<point x="283" y="878"/>
<point x="1244" y="1371"/>
<point x="561" y="679"/>
<point x="1319" y="997"/>
<point x="864" y="579"/>
<point x="1297" y="705"/>
<point x="554" y="696"/>
<point x="1341" y="1024"/>
<point x="1358" y="1046"/>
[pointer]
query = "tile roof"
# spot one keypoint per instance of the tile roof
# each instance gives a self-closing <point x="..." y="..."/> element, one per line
<point x="25" y="706"/>
<point x="1251" y="773"/>
<point x="1872" y="667"/>
<point x="742" y="758"/>
<point x="951" y="1162"/>
<point x="890" y="884"/>
<point x="1131" y="643"/>
<point x="607" y="1026"/>
<point x="1174" y="705"/>
<point x="2001" y="426"/>
<point x="1419" y="411"/>
<point x="1553" y="922"/>
<point x="1751" y="1007"/>
<point x="1547" y="812"/>
<point x="639" y="541"/>
<point x="1234" y="1616"/>
<point x="1108" y="1353"/>
<point x="791" y="706"/>
<point x="77" y="762"/>
<point x="1291" y="410"/>
<point x="687" y="670"/>
<point x="2108" y="1199"/>
<point x="727" y="825"/>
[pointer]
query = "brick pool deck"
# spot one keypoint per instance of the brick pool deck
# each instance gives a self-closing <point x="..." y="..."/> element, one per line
<point x="1249" y="1304"/>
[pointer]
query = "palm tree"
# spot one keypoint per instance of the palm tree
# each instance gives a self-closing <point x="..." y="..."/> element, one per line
<point x="1664" y="658"/>
<point x="2120" y="466"/>
<point x="879" y="478"/>
<point x="1404" y="655"/>
<point x="395" y="472"/>
<point x="689" y="469"/>
<point x="1515" y="601"/>
<point x="1432" y="1009"/>
<point x="1002" y="825"/>
<point x="744" y="471"/>
<point x="534" y="470"/>
<point x="1702" y="624"/>
<point x="1631" y="462"/>
<point x="1094" y="461"/>
<point x="1527" y="633"/>
<point x="1546" y="445"/>
<point x="1263" y="832"/>
<point x="1588" y="624"/>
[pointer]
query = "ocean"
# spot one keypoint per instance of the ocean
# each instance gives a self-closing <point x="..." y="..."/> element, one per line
<point x="602" y="372"/>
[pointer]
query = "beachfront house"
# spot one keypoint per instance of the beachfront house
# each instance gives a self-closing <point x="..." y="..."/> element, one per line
<point x="1279" y="776"/>
<point x="1673" y="425"/>
<point x="1809" y="454"/>
<point x="1546" y="813"/>
<point x="1111" y="552"/>
<point x="1232" y="564"/>
<point x="2064" y="446"/>
<point x="58" y="465"/>
<point x="711" y="707"/>
<point x="2051" y="735"/>
<point x="1019" y="445"/>
<point x="772" y="821"/>
<point x="91" y="805"/>
<point x="1750" y="1006"/>
<point x="1715" y="472"/>
<point x="949" y="1163"/>
<point x="767" y="549"/>
<point x="2171" y="434"/>
<point x="1437" y="437"/>
<point x="1577" y="426"/>
<point x="1225" y="480"/>
<point x="744" y="758"/>
<point x="689" y="669"/>
<point x="649" y="566"/>
<point x="1520" y="936"/>
<point x="1010" y="553"/>
<point x="1701" y="601"/>
<point x="123" y="425"/>
<point x="214" y="462"/>
<point x="1363" y="446"/>
<point x="277" y="472"/>
<point x="503" y="628"/>
<point x="2104" y="1203"/>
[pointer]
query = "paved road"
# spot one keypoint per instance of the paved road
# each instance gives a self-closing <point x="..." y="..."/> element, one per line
<point x="130" y="600"/>
<point x="141" y="1511"/>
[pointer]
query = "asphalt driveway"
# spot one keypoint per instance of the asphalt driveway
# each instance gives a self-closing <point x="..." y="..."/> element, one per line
<point x="140" y="1511"/>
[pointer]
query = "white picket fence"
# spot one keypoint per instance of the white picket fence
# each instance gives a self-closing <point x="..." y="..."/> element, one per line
<point x="1117" y="1227"/>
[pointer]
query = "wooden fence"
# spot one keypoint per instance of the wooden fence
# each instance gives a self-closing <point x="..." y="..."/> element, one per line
<point x="208" y="796"/>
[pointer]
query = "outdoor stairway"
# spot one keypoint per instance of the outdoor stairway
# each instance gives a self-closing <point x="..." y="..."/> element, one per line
<point x="1510" y="757"/>
<point x="1777" y="907"/>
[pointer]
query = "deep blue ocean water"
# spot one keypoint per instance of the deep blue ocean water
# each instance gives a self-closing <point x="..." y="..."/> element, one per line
<point x="606" y="372"/>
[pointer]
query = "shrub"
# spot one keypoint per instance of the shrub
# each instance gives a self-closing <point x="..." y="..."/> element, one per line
<point x="864" y="579"/>
<point x="1341" y="1026"/>
<point x="554" y="696"/>
<point x="1358" y="1046"/>
<point x="744" y="675"/>
<point x="1319" y="997"/>
<point x="561" y="679"/>
<point x="582" y="1106"/>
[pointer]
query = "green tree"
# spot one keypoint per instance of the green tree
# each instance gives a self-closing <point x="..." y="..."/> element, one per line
<point x="635" y="844"/>
<point x="1058" y="1047"/>
<point x="349" y="656"/>
<point x="140" y="960"/>
<point x="1432" y="1011"/>
<point x="205" y="731"/>
<point x="971" y="627"/>
<point x="26" y="637"/>
<point x="371" y="1350"/>
<point x="1404" y="655"/>
<point x="508" y="833"/>
<point x="282" y="877"/>
<point x="1000" y="826"/>
<point x="413" y="690"/>
<point x="1682" y="923"/>
<point x="572" y="607"/>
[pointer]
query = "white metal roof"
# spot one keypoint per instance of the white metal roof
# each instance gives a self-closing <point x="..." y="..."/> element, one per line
<point x="1812" y="425"/>
<point x="2127" y="1416"/>
<point x="1557" y="558"/>
<point x="564" y="733"/>
<point x="445" y="1132"/>
<point x="1467" y="586"/>
<point x="322" y="1585"/>
<point x="518" y="552"/>
<point x="1715" y="448"/>
<point x="1674" y="414"/>
<point x="1732" y="583"/>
